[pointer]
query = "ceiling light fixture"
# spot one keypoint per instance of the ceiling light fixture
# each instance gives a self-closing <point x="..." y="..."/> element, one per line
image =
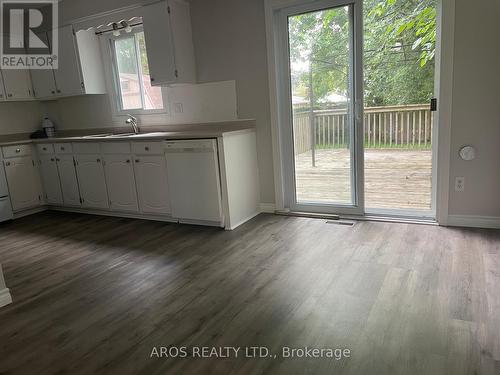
<point x="126" y="26"/>
<point x="116" y="32"/>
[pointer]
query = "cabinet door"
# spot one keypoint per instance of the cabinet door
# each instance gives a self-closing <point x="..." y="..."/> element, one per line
<point x="44" y="83"/>
<point x="2" y="92"/>
<point x="152" y="188"/>
<point x="67" y="75"/>
<point x="50" y="180"/>
<point x="69" y="182"/>
<point x="17" y="84"/>
<point x="159" y="43"/>
<point x="91" y="181"/>
<point x="120" y="181"/>
<point x="23" y="181"/>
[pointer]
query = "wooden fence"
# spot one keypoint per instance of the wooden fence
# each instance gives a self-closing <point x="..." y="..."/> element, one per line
<point x="408" y="126"/>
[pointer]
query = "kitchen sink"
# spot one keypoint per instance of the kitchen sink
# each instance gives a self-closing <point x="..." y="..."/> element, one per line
<point x="97" y="135"/>
<point x="121" y="135"/>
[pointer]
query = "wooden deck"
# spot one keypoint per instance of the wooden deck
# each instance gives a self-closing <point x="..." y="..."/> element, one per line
<point x="393" y="178"/>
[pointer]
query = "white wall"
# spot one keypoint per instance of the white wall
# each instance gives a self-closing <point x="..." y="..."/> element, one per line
<point x="476" y="108"/>
<point x="20" y="117"/>
<point x="215" y="101"/>
<point x="230" y="43"/>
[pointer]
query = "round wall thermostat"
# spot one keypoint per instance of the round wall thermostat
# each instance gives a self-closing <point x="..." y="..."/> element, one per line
<point x="467" y="153"/>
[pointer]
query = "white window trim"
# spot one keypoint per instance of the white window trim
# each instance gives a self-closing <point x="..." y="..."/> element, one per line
<point x="145" y="116"/>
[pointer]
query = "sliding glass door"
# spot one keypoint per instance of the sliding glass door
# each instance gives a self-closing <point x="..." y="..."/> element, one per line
<point x="322" y="49"/>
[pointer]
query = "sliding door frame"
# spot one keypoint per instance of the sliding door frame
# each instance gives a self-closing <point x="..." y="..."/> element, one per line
<point x="283" y="91"/>
<point x="444" y="89"/>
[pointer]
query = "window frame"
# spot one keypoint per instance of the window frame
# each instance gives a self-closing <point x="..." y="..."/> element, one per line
<point x="146" y="115"/>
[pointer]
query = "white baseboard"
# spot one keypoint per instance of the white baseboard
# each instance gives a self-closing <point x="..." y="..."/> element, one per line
<point x="242" y="221"/>
<point x="267" y="207"/>
<point x="5" y="297"/>
<point x="30" y="211"/>
<point x="474" y="221"/>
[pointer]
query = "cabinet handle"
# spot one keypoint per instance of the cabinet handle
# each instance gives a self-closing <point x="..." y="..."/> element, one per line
<point x="62" y="148"/>
<point x="53" y="92"/>
<point x="137" y="160"/>
<point x="58" y="91"/>
<point x="44" y="148"/>
<point x="127" y="161"/>
<point x="51" y="159"/>
<point x="18" y="150"/>
<point x="57" y="159"/>
<point x="98" y="160"/>
<point x="9" y="95"/>
<point x="7" y="164"/>
<point x="146" y="148"/>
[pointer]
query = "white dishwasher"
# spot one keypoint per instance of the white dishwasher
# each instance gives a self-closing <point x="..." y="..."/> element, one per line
<point x="193" y="180"/>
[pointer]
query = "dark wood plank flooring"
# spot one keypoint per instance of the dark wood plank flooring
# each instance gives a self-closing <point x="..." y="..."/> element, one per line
<point x="94" y="295"/>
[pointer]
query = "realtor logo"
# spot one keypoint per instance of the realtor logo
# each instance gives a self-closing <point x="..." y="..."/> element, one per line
<point x="30" y="37"/>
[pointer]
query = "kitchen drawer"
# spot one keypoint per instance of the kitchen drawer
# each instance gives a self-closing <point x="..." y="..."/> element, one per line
<point x="147" y="148"/>
<point x="63" y="148"/>
<point x="17" y="150"/>
<point x="115" y="147"/>
<point x="86" y="148"/>
<point x="45" y="148"/>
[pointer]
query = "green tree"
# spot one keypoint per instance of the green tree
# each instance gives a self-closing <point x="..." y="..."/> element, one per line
<point x="399" y="48"/>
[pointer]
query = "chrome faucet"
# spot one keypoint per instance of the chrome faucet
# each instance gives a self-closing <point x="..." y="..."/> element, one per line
<point x="131" y="120"/>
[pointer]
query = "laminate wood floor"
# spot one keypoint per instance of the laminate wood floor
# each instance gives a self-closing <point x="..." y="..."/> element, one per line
<point x="95" y="295"/>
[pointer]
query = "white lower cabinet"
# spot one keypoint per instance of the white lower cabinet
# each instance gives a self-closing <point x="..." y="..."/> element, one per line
<point x="152" y="186"/>
<point x="92" y="181"/>
<point x="50" y="180"/>
<point x="24" y="183"/>
<point x="120" y="181"/>
<point x="69" y="182"/>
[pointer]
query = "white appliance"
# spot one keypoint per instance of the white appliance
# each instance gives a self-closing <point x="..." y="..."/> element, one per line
<point x="5" y="207"/>
<point x="194" y="182"/>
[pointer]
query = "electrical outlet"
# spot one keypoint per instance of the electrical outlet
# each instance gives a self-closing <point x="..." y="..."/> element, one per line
<point x="459" y="183"/>
<point x="178" y="108"/>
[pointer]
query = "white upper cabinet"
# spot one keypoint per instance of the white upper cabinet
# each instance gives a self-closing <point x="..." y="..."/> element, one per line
<point x="169" y="42"/>
<point x="2" y="92"/>
<point x="68" y="77"/>
<point x="17" y="84"/>
<point x="79" y="71"/>
<point x="92" y="181"/>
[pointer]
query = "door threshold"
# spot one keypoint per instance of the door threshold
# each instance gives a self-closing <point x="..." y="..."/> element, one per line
<point x="393" y="219"/>
<point x="311" y="215"/>
<point x="369" y="217"/>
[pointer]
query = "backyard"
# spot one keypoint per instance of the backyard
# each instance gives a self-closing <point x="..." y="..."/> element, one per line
<point x="398" y="157"/>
